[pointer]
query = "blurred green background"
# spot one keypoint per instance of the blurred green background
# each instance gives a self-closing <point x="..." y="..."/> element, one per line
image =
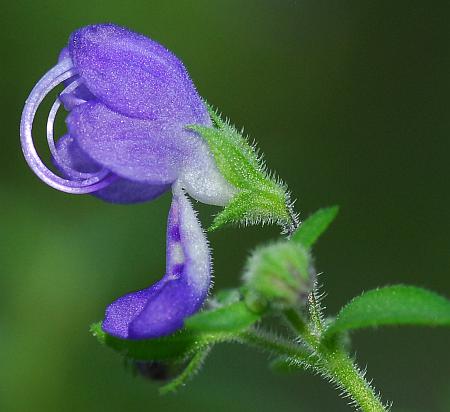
<point x="349" y="100"/>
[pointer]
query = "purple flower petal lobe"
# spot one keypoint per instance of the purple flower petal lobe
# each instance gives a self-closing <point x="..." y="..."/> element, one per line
<point x="71" y="158"/>
<point x="135" y="149"/>
<point x="134" y="75"/>
<point x="162" y="308"/>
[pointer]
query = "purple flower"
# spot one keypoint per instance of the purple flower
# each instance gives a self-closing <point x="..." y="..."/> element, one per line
<point x="129" y="101"/>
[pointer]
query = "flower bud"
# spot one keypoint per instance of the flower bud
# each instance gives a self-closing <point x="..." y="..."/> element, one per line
<point x="281" y="273"/>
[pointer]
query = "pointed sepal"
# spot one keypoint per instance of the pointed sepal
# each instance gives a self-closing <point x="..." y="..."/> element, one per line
<point x="261" y="198"/>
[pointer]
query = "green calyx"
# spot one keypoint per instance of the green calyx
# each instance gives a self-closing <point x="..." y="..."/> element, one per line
<point x="261" y="198"/>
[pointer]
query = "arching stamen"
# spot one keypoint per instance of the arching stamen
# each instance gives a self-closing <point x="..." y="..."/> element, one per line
<point x="52" y="115"/>
<point x="61" y="72"/>
<point x="71" y="173"/>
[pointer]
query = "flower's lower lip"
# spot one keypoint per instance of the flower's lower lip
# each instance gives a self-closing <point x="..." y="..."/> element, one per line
<point x="82" y="182"/>
<point x="162" y="308"/>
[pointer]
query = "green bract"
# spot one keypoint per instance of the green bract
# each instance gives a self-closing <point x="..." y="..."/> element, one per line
<point x="261" y="197"/>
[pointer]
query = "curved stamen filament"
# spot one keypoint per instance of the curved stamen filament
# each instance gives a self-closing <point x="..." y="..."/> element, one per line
<point x="72" y="173"/>
<point x="61" y="72"/>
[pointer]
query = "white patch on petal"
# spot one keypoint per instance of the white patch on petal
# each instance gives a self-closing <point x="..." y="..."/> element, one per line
<point x="195" y="244"/>
<point x="176" y="254"/>
<point x="201" y="178"/>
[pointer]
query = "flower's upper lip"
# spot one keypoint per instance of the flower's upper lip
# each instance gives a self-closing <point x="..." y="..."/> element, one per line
<point x="134" y="75"/>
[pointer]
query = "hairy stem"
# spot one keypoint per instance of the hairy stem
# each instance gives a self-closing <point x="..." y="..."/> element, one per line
<point x="315" y="310"/>
<point x="273" y="344"/>
<point x="335" y="364"/>
<point x="191" y="369"/>
<point x="342" y="370"/>
<point x="300" y="327"/>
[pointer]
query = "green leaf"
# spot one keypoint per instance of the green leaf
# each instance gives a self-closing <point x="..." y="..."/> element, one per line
<point x="393" y="305"/>
<point x="231" y="318"/>
<point x="174" y="347"/>
<point x="261" y="198"/>
<point x="310" y="230"/>
<point x="192" y="368"/>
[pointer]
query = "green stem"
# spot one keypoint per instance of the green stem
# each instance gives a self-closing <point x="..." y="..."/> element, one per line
<point x="295" y="320"/>
<point x="335" y="364"/>
<point x="315" y="310"/>
<point x="273" y="344"/>
<point x="299" y="326"/>
<point x="342" y="370"/>
<point x="191" y="369"/>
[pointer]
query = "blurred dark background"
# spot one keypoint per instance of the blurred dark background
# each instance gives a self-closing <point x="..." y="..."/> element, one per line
<point x="349" y="100"/>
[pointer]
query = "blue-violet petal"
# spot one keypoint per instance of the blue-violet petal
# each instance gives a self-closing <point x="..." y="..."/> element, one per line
<point x="147" y="151"/>
<point x="124" y="191"/>
<point x="161" y="309"/>
<point x="134" y="75"/>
